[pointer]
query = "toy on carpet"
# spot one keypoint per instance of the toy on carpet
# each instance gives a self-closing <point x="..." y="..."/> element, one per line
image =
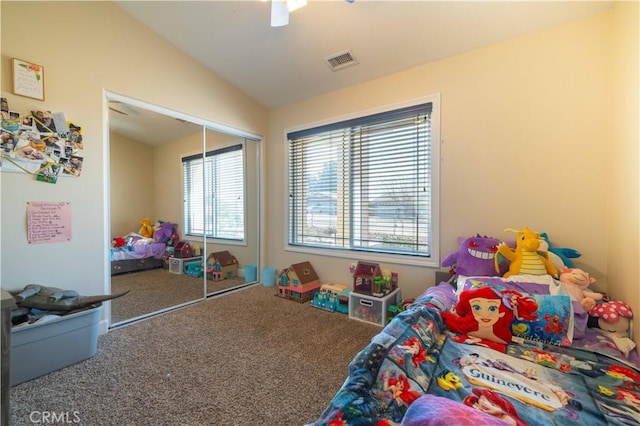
<point x="565" y="254"/>
<point x="487" y="313"/>
<point x="55" y="299"/>
<point x="474" y="257"/>
<point x="527" y="258"/>
<point x="394" y="310"/>
<point x="614" y="321"/>
<point x="146" y="230"/>
<point x="576" y="281"/>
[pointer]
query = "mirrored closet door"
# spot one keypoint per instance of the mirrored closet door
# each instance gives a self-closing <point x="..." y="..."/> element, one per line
<point x="232" y="213"/>
<point x="184" y="208"/>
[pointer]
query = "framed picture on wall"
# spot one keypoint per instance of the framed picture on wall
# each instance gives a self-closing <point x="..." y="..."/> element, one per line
<point x="28" y="79"/>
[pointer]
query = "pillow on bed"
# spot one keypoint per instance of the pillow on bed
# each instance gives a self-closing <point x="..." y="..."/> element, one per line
<point x="554" y="320"/>
<point x="552" y="305"/>
<point x="432" y="410"/>
<point x="521" y="283"/>
<point x="554" y="324"/>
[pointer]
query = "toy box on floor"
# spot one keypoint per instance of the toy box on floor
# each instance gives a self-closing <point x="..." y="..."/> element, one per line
<point x="179" y="265"/>
<point x="370" y="308"/>
<point x="43" y="347"/>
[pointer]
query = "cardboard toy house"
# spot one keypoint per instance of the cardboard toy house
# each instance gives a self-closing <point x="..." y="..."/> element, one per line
<point x="302" y="275"/>
<point x="183" y="250"/>
<point x="222" y="265"/>
<point x="299" y="282"/>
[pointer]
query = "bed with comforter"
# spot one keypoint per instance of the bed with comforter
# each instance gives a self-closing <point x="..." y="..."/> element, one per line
<point x="417" y="372"/>
<point x="139" y="253"/>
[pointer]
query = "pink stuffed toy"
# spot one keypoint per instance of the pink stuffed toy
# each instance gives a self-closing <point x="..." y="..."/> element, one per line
<point x="576" y="282"/>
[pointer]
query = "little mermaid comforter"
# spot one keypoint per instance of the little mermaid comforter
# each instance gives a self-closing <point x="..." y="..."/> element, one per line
<point x="415" y="373"/>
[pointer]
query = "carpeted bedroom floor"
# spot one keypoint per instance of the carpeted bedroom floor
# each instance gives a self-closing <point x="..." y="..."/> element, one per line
<point x="245" y="358"/>
<point x="159" y="289"/>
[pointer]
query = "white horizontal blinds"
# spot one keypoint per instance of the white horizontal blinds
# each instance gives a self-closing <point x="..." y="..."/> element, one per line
<point x="223" y="217"/>
<point x="225" y="183"/>
<point x="314" y="165"/>
<point x="391" y="181"/>
<point x="193" y="193"/>
<point x="363" y="184"/>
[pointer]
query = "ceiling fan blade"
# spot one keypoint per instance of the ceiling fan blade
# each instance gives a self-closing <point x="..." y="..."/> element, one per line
<point x="279" y="13"/>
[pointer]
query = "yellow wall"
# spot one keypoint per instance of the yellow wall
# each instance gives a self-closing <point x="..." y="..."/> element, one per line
<point x="525" y="132"/>
<point x="623" y="183"/>
<point x="87" y="48"/>
<point x="131" y="180"/>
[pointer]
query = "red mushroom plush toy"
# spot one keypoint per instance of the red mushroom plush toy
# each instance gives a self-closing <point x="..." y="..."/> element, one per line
<point x="614" y="321"/>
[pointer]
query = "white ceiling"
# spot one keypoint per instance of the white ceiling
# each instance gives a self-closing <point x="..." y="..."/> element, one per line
<point x="282" y="65"/>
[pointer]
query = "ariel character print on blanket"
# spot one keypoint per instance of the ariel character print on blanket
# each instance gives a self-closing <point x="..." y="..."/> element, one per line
<point x="392" y="372"/>
<point x="516" y="391"/>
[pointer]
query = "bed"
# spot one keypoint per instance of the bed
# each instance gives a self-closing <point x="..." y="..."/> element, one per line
<point x="559" y="370"/>
<point x="137" y="253"/>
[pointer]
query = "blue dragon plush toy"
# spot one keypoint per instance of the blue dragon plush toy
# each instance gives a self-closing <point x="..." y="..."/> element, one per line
<point x="562" y="252"/>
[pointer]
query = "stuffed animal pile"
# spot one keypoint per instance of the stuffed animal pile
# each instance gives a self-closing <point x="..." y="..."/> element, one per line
<point x="485" y="313"/>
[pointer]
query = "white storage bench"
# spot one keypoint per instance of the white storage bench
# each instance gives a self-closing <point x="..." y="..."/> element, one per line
<point x="40" y="348"/>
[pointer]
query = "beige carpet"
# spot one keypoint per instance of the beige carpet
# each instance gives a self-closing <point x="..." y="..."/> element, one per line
<point x="245" y="358"/>
<point x="159" y="289"/>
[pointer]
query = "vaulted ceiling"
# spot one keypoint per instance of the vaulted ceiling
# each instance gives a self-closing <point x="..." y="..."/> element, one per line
<point x="277" y="66"/>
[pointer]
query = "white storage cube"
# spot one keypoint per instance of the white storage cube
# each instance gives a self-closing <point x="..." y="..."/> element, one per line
<point x="370" y="308"/>
<point x="176" y="264"/>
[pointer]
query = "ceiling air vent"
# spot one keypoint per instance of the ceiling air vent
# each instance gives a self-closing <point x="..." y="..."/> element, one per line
<point x="341" y="60"/>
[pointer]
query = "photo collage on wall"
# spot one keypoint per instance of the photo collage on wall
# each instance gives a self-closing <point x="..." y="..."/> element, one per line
<point x="41" y="143"/>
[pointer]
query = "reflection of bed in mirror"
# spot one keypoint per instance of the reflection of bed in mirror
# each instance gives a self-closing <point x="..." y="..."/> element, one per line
<point x="134" y="252"/>
<point x="135" y="265"/>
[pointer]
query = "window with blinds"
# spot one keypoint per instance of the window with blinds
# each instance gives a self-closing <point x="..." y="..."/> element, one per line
<point x="213" y="189"/>
<point x="364" y="184"/>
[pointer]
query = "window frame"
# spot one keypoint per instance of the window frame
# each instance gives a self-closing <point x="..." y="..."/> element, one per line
<point x="207" y="200"/>
<point x="408" y="259"/>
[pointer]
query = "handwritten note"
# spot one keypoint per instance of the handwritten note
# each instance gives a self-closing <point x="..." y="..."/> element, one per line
<point x="48" y="222"/>
<point x="28" y="79"/>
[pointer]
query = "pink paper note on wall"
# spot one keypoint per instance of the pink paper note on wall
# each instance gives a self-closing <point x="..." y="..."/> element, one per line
<point x="48" y="222"/>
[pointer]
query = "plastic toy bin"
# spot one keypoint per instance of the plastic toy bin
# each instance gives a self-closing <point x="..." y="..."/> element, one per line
<point x="371" y="309"/>
<point x="177" y="265"/>
<point x="41" y="348"/>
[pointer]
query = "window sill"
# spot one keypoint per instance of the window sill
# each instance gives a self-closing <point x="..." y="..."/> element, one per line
<point x="368" y="256"/>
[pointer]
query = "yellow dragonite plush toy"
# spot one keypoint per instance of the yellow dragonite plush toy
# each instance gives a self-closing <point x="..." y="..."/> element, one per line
<point x="146" y="230"/>
<point x="526" y="258"/>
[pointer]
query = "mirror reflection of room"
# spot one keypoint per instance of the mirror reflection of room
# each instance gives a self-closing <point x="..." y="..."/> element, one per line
<point x="232" y="215"/>
<point x="158" y="216"/>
